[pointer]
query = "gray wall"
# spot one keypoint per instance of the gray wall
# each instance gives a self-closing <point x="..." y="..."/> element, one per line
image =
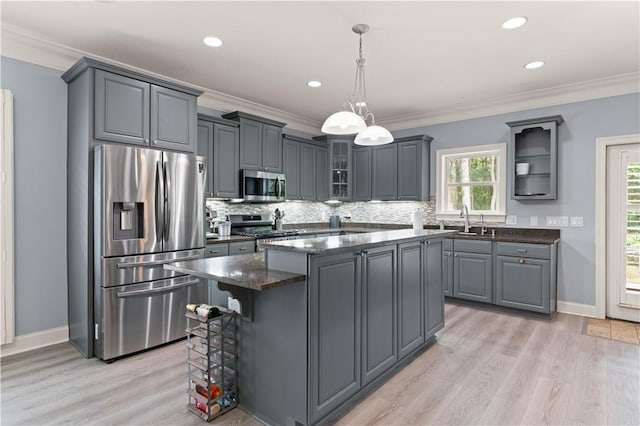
<point x="584" y="122"/>
<point x="40" y="212"/>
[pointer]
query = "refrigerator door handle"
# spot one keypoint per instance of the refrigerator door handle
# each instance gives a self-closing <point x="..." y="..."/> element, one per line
<point x="156" y="262"/>
<point x="167" y="209"/>
<point x="168" y="288"/>
<point x="159" y="194"/>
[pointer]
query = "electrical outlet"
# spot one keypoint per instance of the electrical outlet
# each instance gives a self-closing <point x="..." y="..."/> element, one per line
<point x="551" y="221"/>
<point x="234" y="305"/>
<point x="533" y="221"/>
<point x="577" y="221"/>
<point x="563" y="220"/>
<point x="512" y="220"/>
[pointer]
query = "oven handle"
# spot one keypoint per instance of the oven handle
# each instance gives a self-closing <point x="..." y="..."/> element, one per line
<point x="155" y="262"/>
<point x="169" y="288"/>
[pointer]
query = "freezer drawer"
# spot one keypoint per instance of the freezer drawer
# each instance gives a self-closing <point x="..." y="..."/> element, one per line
<point x="140" y="316"/>
<point x="118" y="271"/>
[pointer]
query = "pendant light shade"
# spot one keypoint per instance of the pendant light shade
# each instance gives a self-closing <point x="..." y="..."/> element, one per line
<point x="343" y="123"/>
<point x="373" y="135"/>
<point x="354" y="118"/>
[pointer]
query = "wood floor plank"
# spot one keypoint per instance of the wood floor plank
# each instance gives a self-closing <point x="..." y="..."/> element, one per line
<point x="485" y="368"/>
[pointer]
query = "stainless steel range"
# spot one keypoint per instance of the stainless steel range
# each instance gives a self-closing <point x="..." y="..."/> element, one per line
<point x="259" y="227"/>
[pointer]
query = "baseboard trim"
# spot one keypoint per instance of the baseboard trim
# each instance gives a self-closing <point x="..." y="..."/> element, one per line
<point x="576" y="309"/>
<point x="31" y="341"/>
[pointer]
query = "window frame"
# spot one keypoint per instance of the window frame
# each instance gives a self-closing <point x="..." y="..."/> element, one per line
<point x="442" y="155"/>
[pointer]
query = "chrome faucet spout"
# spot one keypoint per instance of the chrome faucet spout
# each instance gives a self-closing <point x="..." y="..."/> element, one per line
<point x="464" y="212"/>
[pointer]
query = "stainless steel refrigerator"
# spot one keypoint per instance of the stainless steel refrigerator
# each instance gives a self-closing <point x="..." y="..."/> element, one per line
<point x="148" y="211"/>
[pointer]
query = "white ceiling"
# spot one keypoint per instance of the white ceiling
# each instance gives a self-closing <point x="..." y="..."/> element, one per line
<point x="424" y="59"/>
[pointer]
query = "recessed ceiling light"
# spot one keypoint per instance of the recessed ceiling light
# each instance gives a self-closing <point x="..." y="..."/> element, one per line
<point x="212" y="41"/>
<point x="314" y="83"/>
<point x="533" y="65"/>
<point x="513" y="23"/>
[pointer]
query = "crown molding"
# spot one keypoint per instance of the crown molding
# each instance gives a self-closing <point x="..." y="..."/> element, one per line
<point x="576" y="92"/>
<point x="28" y="47"/>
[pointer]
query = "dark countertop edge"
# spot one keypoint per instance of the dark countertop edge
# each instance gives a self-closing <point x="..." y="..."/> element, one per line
<point x="357" y="246"/>
<point x="505" y="239"/>
<point x="231" y="239"/>
<point x="287" y="277"/>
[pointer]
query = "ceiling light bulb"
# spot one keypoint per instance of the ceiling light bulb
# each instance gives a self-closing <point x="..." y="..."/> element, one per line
<point x="314" y="83"/>
<point x="514" y="23"/>
<point x="212" y="41"/>
<point x="533" y="65"/>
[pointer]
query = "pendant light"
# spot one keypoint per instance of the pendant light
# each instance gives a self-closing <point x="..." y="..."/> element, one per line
<point x="354" y="118"/>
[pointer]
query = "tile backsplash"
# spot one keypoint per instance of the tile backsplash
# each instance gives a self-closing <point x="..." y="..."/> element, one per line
<point x="314" y="212"/>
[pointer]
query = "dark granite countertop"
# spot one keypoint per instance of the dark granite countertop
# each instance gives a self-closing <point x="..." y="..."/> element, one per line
<point x="513" y="235"/>
<point x="344" y="243"/>
<point x="229" y="239"/>
<point x="247" y="271"/>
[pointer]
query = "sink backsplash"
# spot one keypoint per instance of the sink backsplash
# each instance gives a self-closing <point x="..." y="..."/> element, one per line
<point x="314" y="212"/>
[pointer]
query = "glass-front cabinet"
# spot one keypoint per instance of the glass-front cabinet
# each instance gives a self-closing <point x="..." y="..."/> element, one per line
<point x="534" y="158"/>
<point x="340" y="166"/>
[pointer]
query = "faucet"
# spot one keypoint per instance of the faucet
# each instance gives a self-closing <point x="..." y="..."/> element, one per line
<point x="464" y="212"/>
<point x="483" y="229"/>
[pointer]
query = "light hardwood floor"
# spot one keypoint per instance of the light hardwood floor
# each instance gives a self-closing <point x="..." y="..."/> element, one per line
<point x="486" y="368"/>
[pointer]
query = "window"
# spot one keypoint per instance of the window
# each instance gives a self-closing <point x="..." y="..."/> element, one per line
<point x="473" y="176"/>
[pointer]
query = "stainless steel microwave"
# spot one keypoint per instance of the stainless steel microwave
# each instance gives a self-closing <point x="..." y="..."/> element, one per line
<point x="263" y="186"/>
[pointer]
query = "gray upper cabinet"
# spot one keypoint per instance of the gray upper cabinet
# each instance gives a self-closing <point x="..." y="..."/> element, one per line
<point x="434" y="297"/>
<point x="384" y="169"/>
<point x="334" y="352"/>
<point x="379" y="281"/>
<point x="131" y="111"/>
<point x="340" y="167"/>
<point x="305" y="166"/>
<point x="322" y="173"/>
<point x="173" y="119"/>
<point x="410" y="297"/>
<point x="413" y="167"/>
<point x="219" y="141"/>
<point x="362" y="173"/>
<point x="260" y="142"/>
<point x="534" y="158"/>
<point x="121" y="109"/>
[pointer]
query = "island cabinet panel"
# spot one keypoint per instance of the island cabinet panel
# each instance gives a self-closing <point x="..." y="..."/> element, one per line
<point x="434" y="296"/>
<point x="173" y="119"/>
<point x="523" y="283"/>
<point x="121" y="109"/>
<point x="334" y="331"/>
<point x="472" y="278"/>
<point x="410" y="297"/>
<point x="379" y="281"/>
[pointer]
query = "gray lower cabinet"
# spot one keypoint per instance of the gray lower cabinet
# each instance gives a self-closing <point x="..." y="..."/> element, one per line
<point x="379" y="281"/>
<point x="410" y="297"/>
<point x="472" y="278"/>
<point x="434" y="296"/>
<point x="242" y="247"/>
<point x="334" y="352"/>
<point x="218" y="140"/>
<point x="131" y="111"/>
<point x="362" y="173"/>
<point x="384" y="170"/>
<point x="525" y="276"/>
<point x="216" y="250"/>
<point x="215" y="295"/>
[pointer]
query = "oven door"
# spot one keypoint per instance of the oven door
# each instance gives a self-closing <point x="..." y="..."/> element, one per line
<point x="263" y="186"/>
<point x="140" y="316"/>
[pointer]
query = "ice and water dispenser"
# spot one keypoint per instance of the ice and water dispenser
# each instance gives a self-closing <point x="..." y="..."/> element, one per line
<point x="128" y="220"/>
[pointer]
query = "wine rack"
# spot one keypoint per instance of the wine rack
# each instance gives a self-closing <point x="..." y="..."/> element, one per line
<point x="212" y="360"/>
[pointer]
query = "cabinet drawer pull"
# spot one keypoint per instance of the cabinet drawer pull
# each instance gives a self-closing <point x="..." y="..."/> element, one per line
<point x="242" y="248"/>
<point x="214" y="251"/>
<point x="521" y="260"/>
<point x="455" y="255"/>
<point x="522" y="250"/>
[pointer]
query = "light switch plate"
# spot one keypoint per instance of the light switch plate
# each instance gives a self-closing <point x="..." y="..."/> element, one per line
<point x="563" y="220"/>
<point x="577" y="221"/>
<point x="533" y="221"/>
<point x="512" y="219"/>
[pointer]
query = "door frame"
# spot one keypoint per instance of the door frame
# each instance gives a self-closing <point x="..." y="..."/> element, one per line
<point x="601" y="215"/>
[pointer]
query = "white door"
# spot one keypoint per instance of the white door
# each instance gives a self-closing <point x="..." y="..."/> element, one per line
<point x="623" y="232"/>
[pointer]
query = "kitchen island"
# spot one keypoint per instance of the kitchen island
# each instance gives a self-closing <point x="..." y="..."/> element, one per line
<point x="329" y="317"/>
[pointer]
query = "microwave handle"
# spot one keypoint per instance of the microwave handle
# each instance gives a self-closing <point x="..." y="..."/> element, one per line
<point x="278" y="187"/>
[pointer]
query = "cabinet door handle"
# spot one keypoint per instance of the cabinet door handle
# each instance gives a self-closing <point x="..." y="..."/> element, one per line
<point x="521" y="261"/>
<point x="522" y="250"/>
<point x="455" y="255"/>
